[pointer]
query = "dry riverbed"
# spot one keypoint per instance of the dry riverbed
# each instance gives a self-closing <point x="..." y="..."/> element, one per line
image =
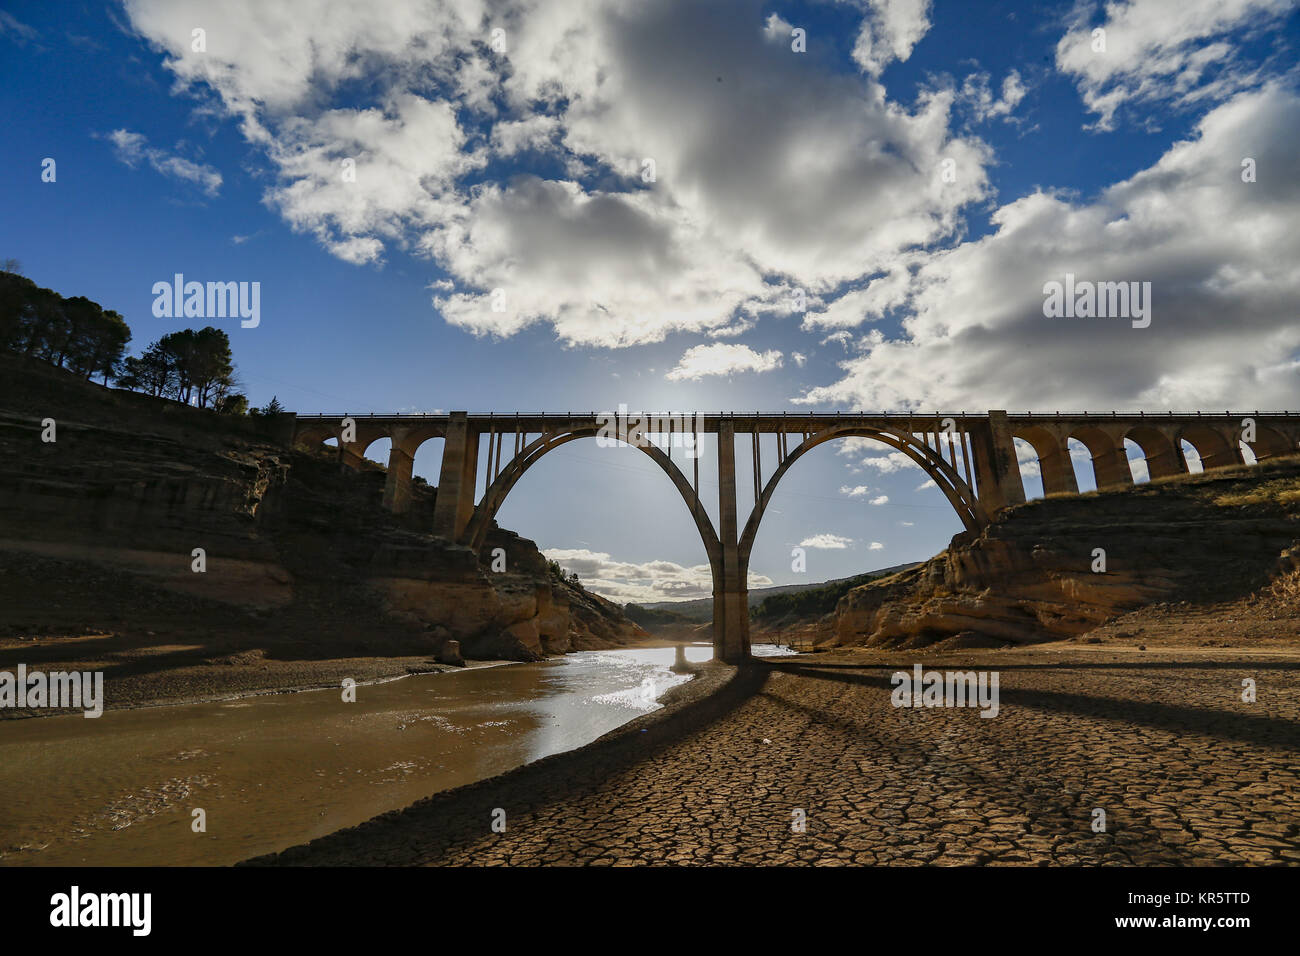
<point x="1160" y="739"/>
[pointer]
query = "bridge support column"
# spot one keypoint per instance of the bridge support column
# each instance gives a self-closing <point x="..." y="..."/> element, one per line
<point x="1112" y="469"/>
<point x="1058" y="470"/>
<point x="350" y="455"/>
<point x="397" y="487"/>
<point x="1231" y="455"/>
<point x="454" y="503"/>
<point x="1167" y="463"/>
<point x="997" y="472"/>
<point x="730" y="580"/>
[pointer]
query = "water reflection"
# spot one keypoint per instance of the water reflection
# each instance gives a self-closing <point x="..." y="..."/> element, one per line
<point x="274" y="771"/>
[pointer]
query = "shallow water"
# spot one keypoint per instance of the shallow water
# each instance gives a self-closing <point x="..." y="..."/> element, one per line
<point x="274" y="771"/>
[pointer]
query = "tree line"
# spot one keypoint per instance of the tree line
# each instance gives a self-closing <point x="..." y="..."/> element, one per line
<point x="191" y="366"/>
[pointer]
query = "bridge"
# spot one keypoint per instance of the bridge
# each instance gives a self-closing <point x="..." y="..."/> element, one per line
<point x="970" y="457"/>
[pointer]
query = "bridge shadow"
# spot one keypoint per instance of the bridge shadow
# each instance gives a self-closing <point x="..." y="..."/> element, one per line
<point x="1220" y="724"/>
<point x="1051" y="818"/>
<point x="936" y="663"/>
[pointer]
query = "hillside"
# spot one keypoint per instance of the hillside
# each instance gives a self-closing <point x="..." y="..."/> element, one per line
<point x="701" y="609"/>
<point x="306" y="578"/>
<point x="1198" y="557"/>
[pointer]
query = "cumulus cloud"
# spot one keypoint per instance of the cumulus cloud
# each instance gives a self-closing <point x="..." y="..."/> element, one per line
<point x="828" y="542"/>
<point x="876" y="546"/>
<point x="1222" y="257"/>
<point x="880" y="500"/>
<point x="857" y="491"/>
<point x="889" y="32"/>
<point x="625" y="582"/>
<point x="722" y="359"/>
<point x="771" y="170"/>
<point x="133" y="148"/>
<point x="1161" y="50"/>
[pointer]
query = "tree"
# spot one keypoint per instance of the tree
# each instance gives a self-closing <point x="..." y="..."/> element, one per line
<point x="201" y="364"/>
<point x="273" y="407"/>
<point x="234" y="403"/>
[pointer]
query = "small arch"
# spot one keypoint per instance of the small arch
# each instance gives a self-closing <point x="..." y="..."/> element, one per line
<point x="1160" y="455"/>
<point x="1055" y="472"/>
<point x="1081" y="463"/>
<point x="1137" y="462"/>
<point x="1109" y="463"/>
<point x="1030" y="462"/>
<point x="1192" y="457"/>
<point x="376" y="450"/>
<point x="1213" y="448"/>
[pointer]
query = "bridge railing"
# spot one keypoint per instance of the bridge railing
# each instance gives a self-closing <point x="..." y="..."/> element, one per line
<point x="797" y="416"/>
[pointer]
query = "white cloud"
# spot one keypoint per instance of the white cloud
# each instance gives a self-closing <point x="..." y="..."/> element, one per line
<point x="722" y="359"/>
<point x="890" y="32"/>
<point x="978" y="96"/>
<point x="777" y="173"/>
<point x="1159" y="50"/>
<point x="880" y="500"/>
<point x="1223" y="258"/>
<point x="625" y="582"/>
<point x="830" y="542"/>
<point x="928" y="483"/>
<point x="858" y="491"/>
<point x="888" y="464"/>
<point x="876" y="546"/>
<point x="133" y="148"/>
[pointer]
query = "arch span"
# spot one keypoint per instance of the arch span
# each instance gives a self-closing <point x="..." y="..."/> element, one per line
<point x="485" y="512"/>
<point x="959" y="494"/>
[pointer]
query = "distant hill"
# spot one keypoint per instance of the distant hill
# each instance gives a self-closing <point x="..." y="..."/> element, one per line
<point x="701" y="610"/>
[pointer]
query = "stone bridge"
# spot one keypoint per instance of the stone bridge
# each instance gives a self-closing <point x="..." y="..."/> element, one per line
<point x="970" y="457"/>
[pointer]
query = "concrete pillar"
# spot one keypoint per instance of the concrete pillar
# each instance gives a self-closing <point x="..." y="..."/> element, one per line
<point x="457" y="478"/>
<point x="997" y="472"/>
<point x="1168" y="462"/>
<point x="397" y="487"/>
<point x="730" y="584"/>
<point x="1057" y="469"/>
<point x="1111" y="468"/>
<point x="351" y="455"/>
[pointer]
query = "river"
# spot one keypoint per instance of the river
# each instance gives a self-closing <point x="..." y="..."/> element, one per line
<point x="273" y="771"/>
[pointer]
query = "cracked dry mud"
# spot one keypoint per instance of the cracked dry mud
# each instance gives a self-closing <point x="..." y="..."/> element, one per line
<point x="1187" y="773"/>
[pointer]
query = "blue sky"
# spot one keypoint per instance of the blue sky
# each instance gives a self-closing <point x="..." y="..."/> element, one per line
<point x="482" y="168"/>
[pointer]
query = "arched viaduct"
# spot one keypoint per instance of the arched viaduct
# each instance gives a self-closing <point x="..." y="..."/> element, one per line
<point x="971" y="458"/>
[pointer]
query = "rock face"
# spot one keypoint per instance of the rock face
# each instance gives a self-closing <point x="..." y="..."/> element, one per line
<point x="1030" y="575"/>
<point x="136" y="485"/>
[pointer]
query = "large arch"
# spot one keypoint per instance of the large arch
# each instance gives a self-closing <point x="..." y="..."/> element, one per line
<point x="486" y="510"/>
<point x="958" y="492"/>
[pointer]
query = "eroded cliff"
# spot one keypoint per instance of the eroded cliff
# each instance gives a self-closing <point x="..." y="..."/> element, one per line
<point x="99" y="530"/>
<point x="1035" y="573"/>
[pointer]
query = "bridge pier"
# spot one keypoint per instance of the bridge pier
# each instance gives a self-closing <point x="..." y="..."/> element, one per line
<point x="1058" y="469"/>
<point x="997" y="470"/>
<point x="397" y="486"/>
<point x="730" y="581"/>
<point x="1111" y="467"/>
<point x="454" y="504"/>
